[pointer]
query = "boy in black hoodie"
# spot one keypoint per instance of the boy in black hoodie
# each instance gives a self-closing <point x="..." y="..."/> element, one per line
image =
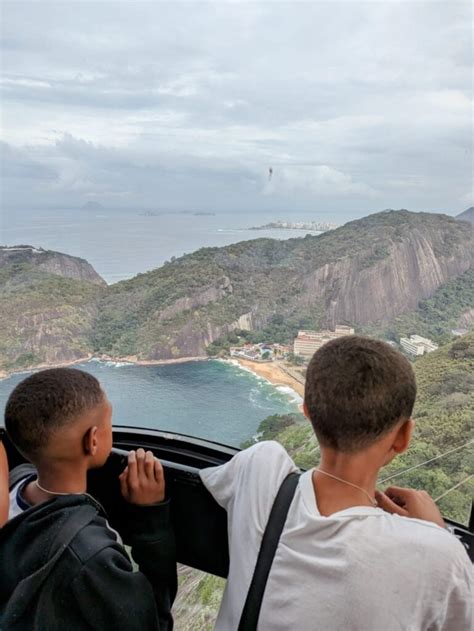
<point x="62" y="566"/>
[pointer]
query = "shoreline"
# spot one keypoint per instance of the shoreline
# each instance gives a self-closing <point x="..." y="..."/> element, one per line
<point x="132" y="360"/>
<point x="274" y="373"/>
<point x="4" y="374"/>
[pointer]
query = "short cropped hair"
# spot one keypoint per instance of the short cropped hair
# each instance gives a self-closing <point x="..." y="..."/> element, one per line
<point x="47" y="401"/>
<point x="356" y="390"/>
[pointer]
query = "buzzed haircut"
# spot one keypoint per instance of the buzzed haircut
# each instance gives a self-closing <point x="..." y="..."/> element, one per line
<point x="357" y="389"/>
<point x="47" y="401"/>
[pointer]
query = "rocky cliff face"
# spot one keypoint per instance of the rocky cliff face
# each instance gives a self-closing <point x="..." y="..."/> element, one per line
<point x="56" y="335"/>
<point x="50" y="262"/>
<point x="47" y="306"/>
<point x="214" y="293"/>
<point x="414" y="268"/>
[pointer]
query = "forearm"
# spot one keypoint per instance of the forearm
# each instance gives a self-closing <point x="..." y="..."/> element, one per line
<point x="153" y="549"/>
<point x="148" y="522"/>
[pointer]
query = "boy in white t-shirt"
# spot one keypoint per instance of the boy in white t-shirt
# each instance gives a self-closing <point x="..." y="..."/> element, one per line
<point x="349" y="557"/>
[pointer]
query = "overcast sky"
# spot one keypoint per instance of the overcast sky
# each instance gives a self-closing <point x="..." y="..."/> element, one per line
<point x="357" y="106"/>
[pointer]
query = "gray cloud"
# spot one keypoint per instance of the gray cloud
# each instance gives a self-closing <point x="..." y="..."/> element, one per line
<point x="356" y="105"/>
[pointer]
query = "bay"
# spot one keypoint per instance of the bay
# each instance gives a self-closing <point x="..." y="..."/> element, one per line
<point x="213" y="399"/>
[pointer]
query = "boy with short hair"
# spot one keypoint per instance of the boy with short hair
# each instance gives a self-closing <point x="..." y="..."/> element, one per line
<point x="349" y="557"/>
<point x="62" y="566"/>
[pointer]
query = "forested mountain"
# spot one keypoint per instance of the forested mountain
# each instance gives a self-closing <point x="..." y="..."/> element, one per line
<point x="19" y="263"/>
<point x="369" y="270"/>
<point x="366" y="272"/>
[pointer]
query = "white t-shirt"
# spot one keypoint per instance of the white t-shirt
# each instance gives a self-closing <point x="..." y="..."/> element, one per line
<point x="17" y="502"/>
<point x="359" y="569"/>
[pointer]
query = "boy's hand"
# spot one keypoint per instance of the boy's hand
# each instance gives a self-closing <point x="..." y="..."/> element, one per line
<point x="142" y="481"/>
<point x="409" y="503"/>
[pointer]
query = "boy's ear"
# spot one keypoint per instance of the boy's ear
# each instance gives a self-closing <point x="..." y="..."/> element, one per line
<point x="403" y="436"/>
<point x="90" y="441"/>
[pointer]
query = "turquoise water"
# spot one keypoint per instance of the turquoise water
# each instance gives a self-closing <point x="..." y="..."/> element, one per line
<point x="210" y="399"/>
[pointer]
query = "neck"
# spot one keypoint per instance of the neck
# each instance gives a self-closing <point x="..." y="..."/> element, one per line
<point x="57" y="478"/>
<point x="360" y="469"/>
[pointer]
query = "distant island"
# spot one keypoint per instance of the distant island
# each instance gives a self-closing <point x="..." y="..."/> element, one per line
<point x="92" y="206"/>
<point x="313" y="226"/>
<point x="157" y="213"/>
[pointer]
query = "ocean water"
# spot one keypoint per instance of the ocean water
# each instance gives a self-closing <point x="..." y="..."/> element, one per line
<point x="122" y="243"/>
<point x="214" y="399"/>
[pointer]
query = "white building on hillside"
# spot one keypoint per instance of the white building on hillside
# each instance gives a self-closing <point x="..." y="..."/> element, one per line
<point x="416" y="345"/>
<point x="308" y="342"/>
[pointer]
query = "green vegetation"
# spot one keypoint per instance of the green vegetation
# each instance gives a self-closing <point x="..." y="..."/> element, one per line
<point x="198" y="600"/>
<point x="201" y="301"/>
<point x="273" y="426"/>
<point x="44" y="318"/>
<point x="198" y="298"/>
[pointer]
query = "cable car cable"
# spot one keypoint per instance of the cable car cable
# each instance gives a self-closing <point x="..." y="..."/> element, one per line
<point x="421" y="464"/>
<point x="454" y="487"/>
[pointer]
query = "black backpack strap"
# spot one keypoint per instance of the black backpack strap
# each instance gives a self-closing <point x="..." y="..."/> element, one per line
<point x="270" y="539"/>
<point x="19" y="473"/>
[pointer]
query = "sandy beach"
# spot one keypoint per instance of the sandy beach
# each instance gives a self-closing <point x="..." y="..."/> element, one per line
<point x="273" y="372"/>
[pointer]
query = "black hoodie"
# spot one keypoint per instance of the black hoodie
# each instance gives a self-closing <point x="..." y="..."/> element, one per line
<point x="61" y="568"/>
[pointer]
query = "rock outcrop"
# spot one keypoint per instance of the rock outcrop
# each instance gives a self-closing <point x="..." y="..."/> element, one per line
<point x="50" y="262"/>
<point x="47" y="307"/>
<point x="414" y="268"/>
<point x="221" y="288"/>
